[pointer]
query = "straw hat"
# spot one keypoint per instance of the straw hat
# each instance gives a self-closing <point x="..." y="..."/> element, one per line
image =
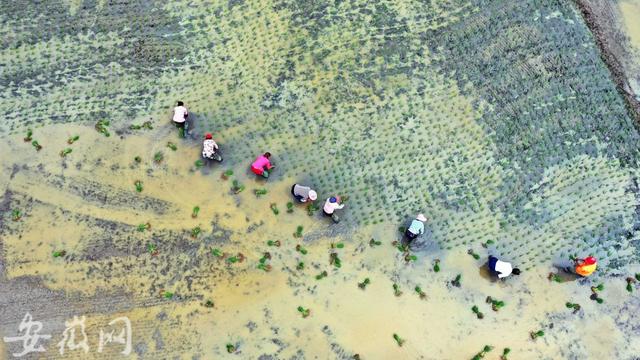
<point x="313" y="195"/>
<point x="421" y="217"/>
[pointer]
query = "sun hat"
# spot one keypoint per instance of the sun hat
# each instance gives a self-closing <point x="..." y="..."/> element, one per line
<point x="333" y="199"/>
<point x="590" y="260"/>
<point x="208" y="136"/>
<point x="313" y="195"/>
<point x="421" y="217"/>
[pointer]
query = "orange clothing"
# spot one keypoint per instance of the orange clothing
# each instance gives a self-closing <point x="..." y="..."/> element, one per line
<point x="585" y="269"/>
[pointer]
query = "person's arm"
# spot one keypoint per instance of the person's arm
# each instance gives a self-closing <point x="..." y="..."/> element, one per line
<point x="215" y="145"/>
<point x="340" y="206"/>
<point x="421" y="231"/>
<point x="500" y="275"/>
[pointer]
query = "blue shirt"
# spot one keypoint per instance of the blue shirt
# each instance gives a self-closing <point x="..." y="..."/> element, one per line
<point x="417" y="227"/>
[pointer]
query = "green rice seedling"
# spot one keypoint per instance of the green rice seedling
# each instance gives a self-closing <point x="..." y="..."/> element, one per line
<point x="374" y="242"/>
<point x="421" y="293"/>
<point x="73" y="139"/>
<point x="410" y="257"/>
<point x="298" y="233"/>
<point x="260" y="192"/>
<point x="476" y="311"/>
<point x="322" y="275"/>
<point x="29" y="136"/>
<point x="36" y="145"/>
<point x="195" y="232"/>
<point x="137" y="159"/>
<point x="231" y="348"/>
<point x="312" y="208"/>
<point x="198" y="163"/>
<point x="16" y="215"/>
<point x="181" y="133"/>
<point x="195" y="211"/>
<point x="217" y="253"/>
<point x="403" y="248"/>
<point x="400" y="341"/>
<point x="273" y="243"/>
<point x="290" y="207"/>
<point x="472" y="253"/>
<point x="300" y="265"/>
<point x="264" y="267"/>
<point x="147" y="125"/>
<point x="597" y="288"/>
<point x="166" y="294"/>
<point x="304" y="312"/>
<point x="138" y="185"/>
<point x="536" y="334"/>
<point x="274" y="208"/>
<point x="505" y="353"/>
<point x="59" y="253"/>
<point x="630" y="281"/>
<point x="135" y="127"/>
<point x="555" y="277"/>
<point x="486" y="244"/>
<point x="637" y="276"/>
<point x="396" y="290"/>
<point x="158" y="157"/>
<point x="364" y="283"/>
<point x="208" y="304"/>
<point x="172" y="146"/>
<point x="402" y="229"/>
<point x="481" y="354"/>
<point x="227" y="174"/>
<point x="237" y="187"/>
<point x="436" y="266"/>
<point x="456" y="282"/>
<point x="575" y="307"/>
<point x="102" y="127"/>
<point x="152" y="249"/>
<point x="495" y="304"/>
<point x="335" y="260"/>
<point x="143" y="227"/>
<point x="65" y="152"/>
<point x="337" y="245"/>
<point x="301" y="250"/>
<point x="233" y="259"/>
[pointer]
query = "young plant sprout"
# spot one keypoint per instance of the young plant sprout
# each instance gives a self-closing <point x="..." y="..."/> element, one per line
<point x="231" y="348"/>
<point x="29" y="136"/>
<point x="436" y="266"/>
<point x="481" y="354"/>
<point x="217" y="253"/>
<point x="102" y="127"/>
<point x="301" y="250"/>
<point x="555" y="278"/>
<point x="198" y="163"/>
<point x="536" y="334"/>
<point x="337" y="245"/>
<point x="298" y="233"/>
<point x="575" y="307"/>
<point x="137" y="159"/>
<point x="59" y="253"/>
<point x="505" y="352"/>
<point x="195" y="232"/>
<point x="396" y="290"/>
<point x="237" y="187"/>
<point x="421" y="293"/>
<point x="143" y="227"/>
<point x="630" y="281"/>
<point x="637" y="276"/>
<point x="304" y="312"/>
<point x="322" y="275"/>
<point x="16" y="215"/>
<point x="166" y="294"/>
<point x="374" y="242"/>
<point x="300" y="266"/>
<point x="312" y="208"/>
<point x="208" y="304"/>
<point x="274" y="243"/>
<point x="65" y="152"/>
<point x="274" y="208"/>
<point x="364" y="283"/>
<point x="227" y="174"/>
<point x="73" y="139"/>
<point x="472" y="253"/>
<point x="195" y="211"/>
<point x="138" y="185"/>
<point x="456" y="282"/>
<point x="152" y="249"/>
<point x="486" y="244"/>
<point x="158" y="157"/>
<point x="597" y="288"/>
<point x="172" y="146"/>
<point x="36" y="145"/>
<point x="264" y="267"/>
<point x="335" y="260"/>
<point x="260" y="192"/>
<point x="495" y="304"/>
<point x="410" y="257"/>
<point x="476" y="311"/>
<point x="290" y="207"/>
<point x="398" y="339"/>
<point x="147" y="125"/>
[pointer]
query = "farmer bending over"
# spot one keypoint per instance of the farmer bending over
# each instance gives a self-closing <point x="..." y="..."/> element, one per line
<point x="585" y="267"/>
<point x="262" y="165"/>
<point x="303" y="193"/>
<point x="180" y="114"/>
<point x="330" y="206"/>
<point x="416" y="228"/>
<point x="209" y="148"/>
<point x="501" y="268"/>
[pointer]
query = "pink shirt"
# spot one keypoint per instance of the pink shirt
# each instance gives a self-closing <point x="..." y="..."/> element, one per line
<point x="261" y="162"/>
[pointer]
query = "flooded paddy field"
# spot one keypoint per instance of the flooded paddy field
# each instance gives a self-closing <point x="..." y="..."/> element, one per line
<point x="501" y="121"/>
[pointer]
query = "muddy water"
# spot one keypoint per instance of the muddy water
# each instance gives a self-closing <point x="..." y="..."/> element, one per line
<point x="631" y="16"/>
<point x="87" y="205"/>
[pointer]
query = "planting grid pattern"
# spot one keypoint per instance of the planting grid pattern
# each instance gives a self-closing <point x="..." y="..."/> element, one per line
<point x="497" y="119"/>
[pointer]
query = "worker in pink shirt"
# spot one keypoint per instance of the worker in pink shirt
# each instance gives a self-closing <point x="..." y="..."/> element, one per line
<point x="262" y="165"/>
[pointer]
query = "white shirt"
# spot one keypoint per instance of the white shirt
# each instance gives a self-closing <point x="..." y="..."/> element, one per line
<point x="330" y="207"/>
<point x="209" y="147"/>
<point x="503" y="268"/>
<point x="178" y="114"/>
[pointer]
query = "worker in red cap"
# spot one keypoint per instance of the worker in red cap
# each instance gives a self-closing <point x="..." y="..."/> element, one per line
<point x="586" y="266"/>
<point x="209" y="148"/>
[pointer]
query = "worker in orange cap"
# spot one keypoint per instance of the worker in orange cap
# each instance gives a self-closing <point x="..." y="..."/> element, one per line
<point x="586" y="266"/>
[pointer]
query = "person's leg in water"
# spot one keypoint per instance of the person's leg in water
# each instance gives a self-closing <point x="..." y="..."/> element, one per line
<point x="180" y="126"/>
<point x="410" y="236"/>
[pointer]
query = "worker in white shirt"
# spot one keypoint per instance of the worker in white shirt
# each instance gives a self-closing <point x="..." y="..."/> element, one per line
<point x="209" y="148"/>
<point x="501" y="268"/>
<point x="180" y="114"/>
<point x="330" y="206"/>
<point x="303" y="193"/>
<point x="416" y="228"/>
